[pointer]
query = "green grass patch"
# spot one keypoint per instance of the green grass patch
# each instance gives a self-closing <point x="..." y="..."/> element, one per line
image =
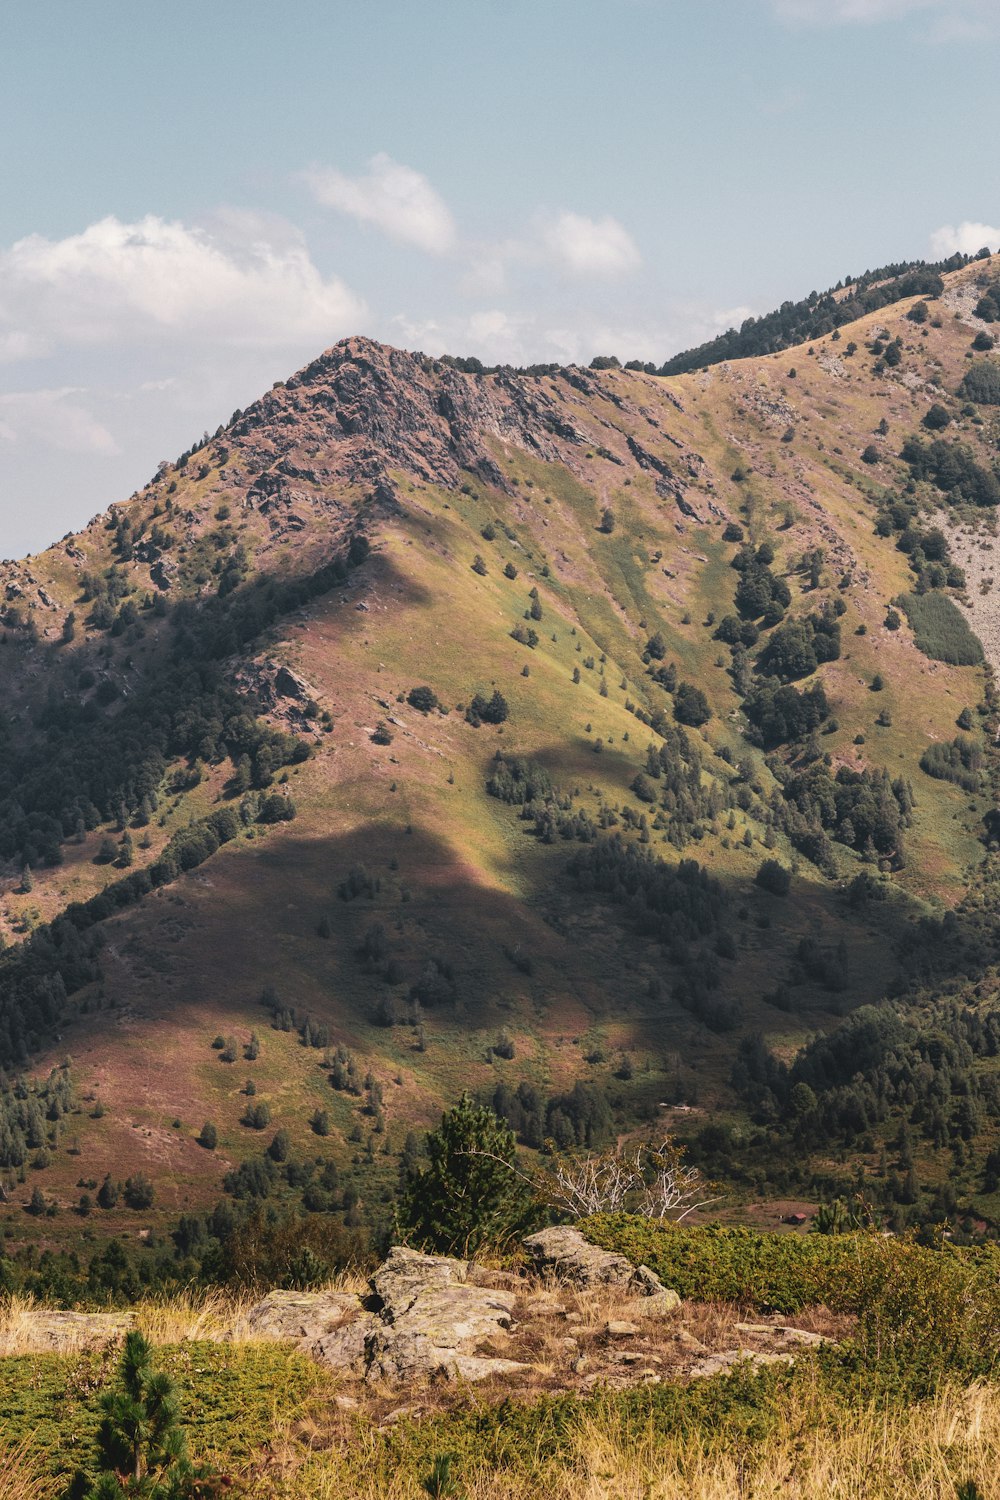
<point x="233" y="1398"/>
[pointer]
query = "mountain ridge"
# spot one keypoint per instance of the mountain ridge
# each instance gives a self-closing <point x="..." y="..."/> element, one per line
<point x="255" y="623"/>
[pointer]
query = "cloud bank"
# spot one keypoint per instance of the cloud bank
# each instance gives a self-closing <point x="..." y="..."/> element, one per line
<point x="161" y="279"/>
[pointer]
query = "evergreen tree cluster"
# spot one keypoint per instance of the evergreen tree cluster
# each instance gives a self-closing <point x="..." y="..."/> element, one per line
<point x="818" y="314"/>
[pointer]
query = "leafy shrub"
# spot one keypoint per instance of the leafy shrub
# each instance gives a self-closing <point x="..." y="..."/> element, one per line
<point x="982" y="383"/>
<point x="940" y="630"/>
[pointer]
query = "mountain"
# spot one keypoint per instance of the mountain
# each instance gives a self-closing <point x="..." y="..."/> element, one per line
<point x="612" y="746"/>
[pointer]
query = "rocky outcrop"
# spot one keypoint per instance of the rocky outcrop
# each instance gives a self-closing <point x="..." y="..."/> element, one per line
<point x="562" y="1252"/>
<point x="423" y="1319"/>
<point x="432" y="1321"/>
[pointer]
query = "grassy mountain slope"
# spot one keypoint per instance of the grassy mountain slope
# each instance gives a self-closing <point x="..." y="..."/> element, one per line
<point x="445" y="499"/>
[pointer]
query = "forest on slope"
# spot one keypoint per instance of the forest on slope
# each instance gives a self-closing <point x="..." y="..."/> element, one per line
<point x="614" y="747"/>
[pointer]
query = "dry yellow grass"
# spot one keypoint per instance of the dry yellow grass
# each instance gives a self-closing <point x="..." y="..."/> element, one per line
<point x="923" y="1453"/>
<point x="209" y="1314"/>
<point x="21" y="1477"/>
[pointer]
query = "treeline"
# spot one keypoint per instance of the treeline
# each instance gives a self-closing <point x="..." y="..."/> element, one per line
<point x="818" y="314"/>
<point x="879" y="1068"/>
<point x="582" y="1117"/>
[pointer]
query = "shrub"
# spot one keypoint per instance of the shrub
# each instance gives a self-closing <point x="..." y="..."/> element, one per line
<point x="494" y="710"/>
<point x="982" y="383"/>
<point x="940" y="630"/>
<point x="139" y="1192"/>
<point x="208" y="1136"/>
<point x="936" y="417"/>
<point x="422" y="698"/>
<point x="870" y="455"/>
<point x="772" y="876"/>
<point x="691" y="705"/>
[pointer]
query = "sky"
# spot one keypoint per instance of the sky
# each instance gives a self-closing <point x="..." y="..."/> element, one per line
<point x="197" y="198"/>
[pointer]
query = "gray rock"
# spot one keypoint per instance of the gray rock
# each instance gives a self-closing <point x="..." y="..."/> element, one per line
<point x="406" y="1272"/>
<point x="302" y="1316"/>
<point x="563" y="1252"/>
<point x="617" y="1328"/>
<point x="432" y="1322"/>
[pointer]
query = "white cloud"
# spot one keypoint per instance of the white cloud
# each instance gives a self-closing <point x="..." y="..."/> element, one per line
<point x="53" y="418"/>
<point x="396" y="198"/>
<point x="864" y="11"/>
<point x="156" y="279"/>
<point x="591" y="247"/>
<point x="952" y="20"/>
<point x="963" y="239"/>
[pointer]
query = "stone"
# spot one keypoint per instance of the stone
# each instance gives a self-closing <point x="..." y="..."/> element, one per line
<point x="301" y="1315"/>
<point x="563" y="1252"/>
<point x="617" y="1328"/>
<point x="784" y="1334"/>
<point x="432" y="1322"/>
<point x="719" y="1364"/>
<point x="406" y="1272"/>
<point x="63" y="1332"/>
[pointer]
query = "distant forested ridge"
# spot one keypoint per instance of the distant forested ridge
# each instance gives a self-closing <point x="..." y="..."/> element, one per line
<point x="820" y="313"/>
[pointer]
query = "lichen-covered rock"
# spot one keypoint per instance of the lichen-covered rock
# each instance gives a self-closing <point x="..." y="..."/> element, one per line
<point x="406" y="1272"/>
<point x="563" y="1252"/>
<point x="429" y="1321"/>
<point x="303" y="1316"/>
<point x="433" y="1322"/>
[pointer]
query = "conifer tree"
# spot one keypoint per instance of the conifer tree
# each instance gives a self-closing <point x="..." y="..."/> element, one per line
<point x="470" y="1193"/>
<point x="141" y="1447"/>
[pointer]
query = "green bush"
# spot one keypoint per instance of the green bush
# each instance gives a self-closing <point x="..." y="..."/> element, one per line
<point x="982" y="383"/>
<point x="921" y="1312"/>
<point x="940" y="630"/>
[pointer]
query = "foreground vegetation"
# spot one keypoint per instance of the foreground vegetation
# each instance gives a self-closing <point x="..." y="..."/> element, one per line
<point x="907" y="1405"/>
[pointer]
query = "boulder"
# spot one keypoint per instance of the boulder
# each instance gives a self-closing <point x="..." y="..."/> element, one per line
<point x="302" y="1316"/>
<point x="564" y="1253"/>
<point x="433" y="1322"/>
<point x="407" y="1272"/>
<point x="64" y="1332"/>
<point x="429" y="1321"/>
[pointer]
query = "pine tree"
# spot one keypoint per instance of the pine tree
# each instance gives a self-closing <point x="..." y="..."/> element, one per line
<point x="470" y="1194"/>
<point x="141" y="1447"/>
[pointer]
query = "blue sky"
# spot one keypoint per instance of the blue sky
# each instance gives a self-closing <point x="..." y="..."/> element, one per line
<point x="197" y="198"/>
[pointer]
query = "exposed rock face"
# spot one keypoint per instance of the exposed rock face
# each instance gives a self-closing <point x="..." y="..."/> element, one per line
<point x="564" y="1253"/>
<point x="433" y="1322"/>
<point x="429" y="1321"/>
